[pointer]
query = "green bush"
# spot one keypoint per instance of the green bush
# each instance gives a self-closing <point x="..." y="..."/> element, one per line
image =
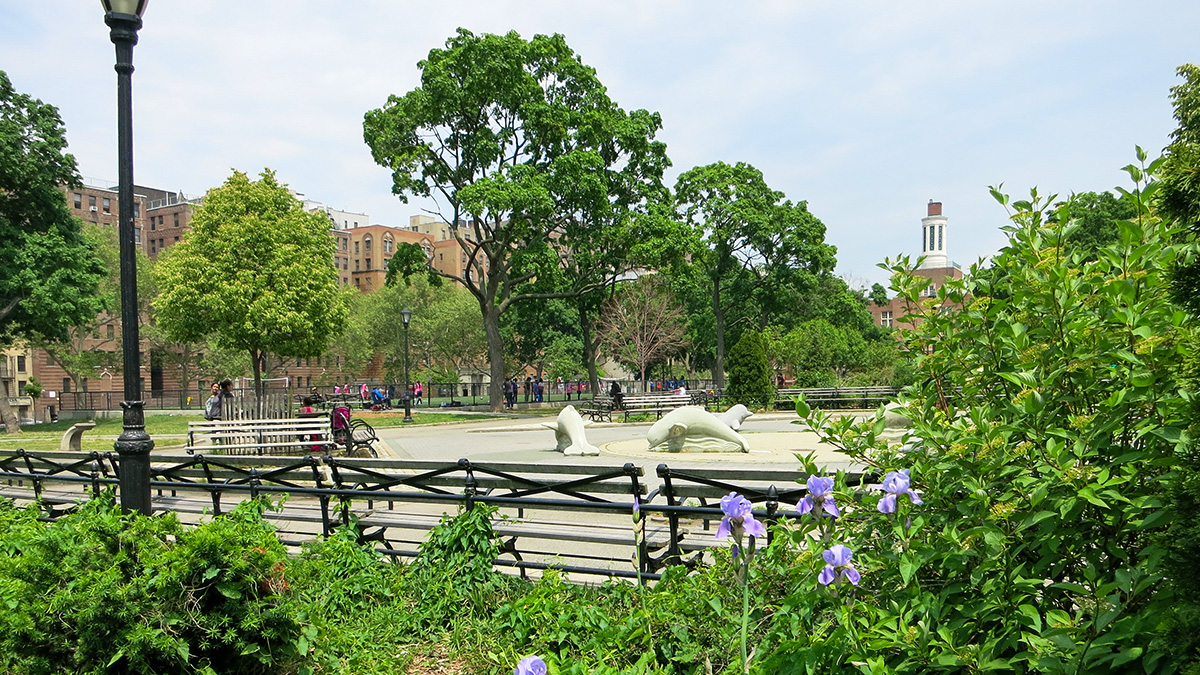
<point x="1046" y="419"/>
<point x="749" y="373"/>
<point x="102" y="592"/>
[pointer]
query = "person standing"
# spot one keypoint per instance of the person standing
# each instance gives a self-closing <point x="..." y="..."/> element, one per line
<point x="528" y="387"/>
<point x="418" y="391"/>
<point x="212" y="407"/>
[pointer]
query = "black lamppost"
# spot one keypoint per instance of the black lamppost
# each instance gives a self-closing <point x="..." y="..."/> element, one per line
<point x="124" y="18"/>
<point x="406" y="315"/>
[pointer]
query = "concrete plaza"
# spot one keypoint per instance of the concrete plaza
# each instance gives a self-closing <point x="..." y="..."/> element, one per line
<point x="774" y="441"/>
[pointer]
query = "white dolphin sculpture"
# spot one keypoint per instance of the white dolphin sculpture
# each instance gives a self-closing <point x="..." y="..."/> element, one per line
<point x="568" y="431"/>
<point x="734" y="416"/>
<point x="692" y="428"/>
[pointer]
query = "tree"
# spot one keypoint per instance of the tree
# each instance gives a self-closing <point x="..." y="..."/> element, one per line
<point x="1094" y="217"/>
<point x="750" y="247"/>
<point x="642" y="325"/>
<point x="48" y="271"/>
<point x="878" y="294"/>
<point x="1179" y="201"/>
<point x="254" y="273"/>
<point x="73" y="353"/>
<point x="749" y="372"/>
<point x="529" y="161"/>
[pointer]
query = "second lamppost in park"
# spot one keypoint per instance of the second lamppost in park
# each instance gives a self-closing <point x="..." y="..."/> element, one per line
<point x="406" y="315"/>
<point x="124" y="18"/>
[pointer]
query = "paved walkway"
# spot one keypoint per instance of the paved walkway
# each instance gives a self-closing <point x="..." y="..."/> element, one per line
<point x="774" y="441"/>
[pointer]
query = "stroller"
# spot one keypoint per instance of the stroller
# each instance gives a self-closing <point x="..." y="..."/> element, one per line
<point x="353" y="435"/>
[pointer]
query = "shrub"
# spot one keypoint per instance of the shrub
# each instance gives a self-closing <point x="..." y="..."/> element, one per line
<point x="1046" y="417"/>
<point x="749" y="372"/>
<point x="102" y="592"/>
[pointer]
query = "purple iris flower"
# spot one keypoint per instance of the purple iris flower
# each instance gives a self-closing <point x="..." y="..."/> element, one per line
<point x="530" y="665"/>
<point x="838" y="567"/>
<point x="896" y="483"/>
<point x="738" y="518"/>
<point x="819" y="498"/>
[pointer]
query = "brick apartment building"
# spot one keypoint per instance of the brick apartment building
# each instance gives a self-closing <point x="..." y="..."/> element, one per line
<point x="161" y="220"/>
<point x="936" y="267"/>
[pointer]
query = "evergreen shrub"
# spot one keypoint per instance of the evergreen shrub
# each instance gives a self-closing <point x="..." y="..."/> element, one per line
<point x="749" y="373"/>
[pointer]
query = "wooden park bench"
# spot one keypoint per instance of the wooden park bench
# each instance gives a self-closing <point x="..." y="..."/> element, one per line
<point x="599" y="409"/>
<point x="261" y="437"/>
<point x="656" y="403"/>
<point x="866" y="397"/>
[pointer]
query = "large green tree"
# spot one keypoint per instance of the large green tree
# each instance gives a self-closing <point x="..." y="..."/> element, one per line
<point x="49" y="272"/>
<point x="752" y="250"/>
<point x="529" y="161"/>
<point x="255" y="273"/>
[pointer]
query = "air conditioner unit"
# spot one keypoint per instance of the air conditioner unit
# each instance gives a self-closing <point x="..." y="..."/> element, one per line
<point x="92" y="209"/>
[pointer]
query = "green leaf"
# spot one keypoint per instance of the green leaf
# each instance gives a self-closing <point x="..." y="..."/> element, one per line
<point x="229" y="589"/>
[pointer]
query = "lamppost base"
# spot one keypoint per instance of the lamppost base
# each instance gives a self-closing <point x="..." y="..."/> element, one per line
<point x="408" y="411"/>
<point x="133" y="447"/>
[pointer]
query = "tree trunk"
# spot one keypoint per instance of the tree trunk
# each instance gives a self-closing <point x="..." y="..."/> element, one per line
<point x="495" y="344"/>
<point x="258" y="385"/>
<point x="591" y="348"/>
<point x="11" y="423"/>
<point x="719" y="366"/>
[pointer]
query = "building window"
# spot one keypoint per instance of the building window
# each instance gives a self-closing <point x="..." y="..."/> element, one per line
<point x="176" y="239"/>
<point x="369" y="264"/>
<point x="176" y="220"/>
<point x="111" y="331"/>
<point x="91" y="201"/>
<point x="356" y="264"/>
<point x="137" y="235"/>
<point x="939" y="237"/>
<point x="107" y="205"/>
<point x="78" y="201"/>
<point x="930" y="238"/>
<point x="356" y="251"/>
<point x="153" y="225"/>
<point x="66" y="384"/>
<point x="83" y="384"/>
<point x="343" y="244"/>
<point x="20" y="364"/>
<point x="885" y="318"/>
<point x="387" y="244"/>
<point x="367" y="244"/>
<point x="345" y="281"/>
<point x="137" y="210"/>
<point x="356" y="282"/>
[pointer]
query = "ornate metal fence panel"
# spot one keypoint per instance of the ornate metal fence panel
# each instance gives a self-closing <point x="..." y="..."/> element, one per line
<point x="579" y="519"/>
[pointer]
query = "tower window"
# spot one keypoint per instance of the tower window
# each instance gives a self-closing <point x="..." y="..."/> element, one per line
<point x="940" y="248"/>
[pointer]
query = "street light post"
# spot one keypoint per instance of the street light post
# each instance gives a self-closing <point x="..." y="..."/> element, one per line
<point x="406" y="315"/>
<point x="124" y="18"/>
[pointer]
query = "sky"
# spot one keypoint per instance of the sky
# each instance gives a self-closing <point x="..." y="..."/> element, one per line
<point x="866" y="110"/>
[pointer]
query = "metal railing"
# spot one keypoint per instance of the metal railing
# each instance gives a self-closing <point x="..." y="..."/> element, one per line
<point x="537" y="532"/>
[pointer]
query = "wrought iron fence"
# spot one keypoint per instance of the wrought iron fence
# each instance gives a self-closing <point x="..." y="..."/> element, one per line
<point x="578" y="519"/>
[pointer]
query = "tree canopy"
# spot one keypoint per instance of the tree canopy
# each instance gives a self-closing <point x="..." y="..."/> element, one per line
<point x="533" y="166"/>
<point x="254" y="273"/>
<point x="752" y="251"/>
<point x="49" y="272"/>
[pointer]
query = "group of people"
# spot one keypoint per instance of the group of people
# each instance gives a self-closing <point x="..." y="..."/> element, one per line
<point x="535" y="389"/>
